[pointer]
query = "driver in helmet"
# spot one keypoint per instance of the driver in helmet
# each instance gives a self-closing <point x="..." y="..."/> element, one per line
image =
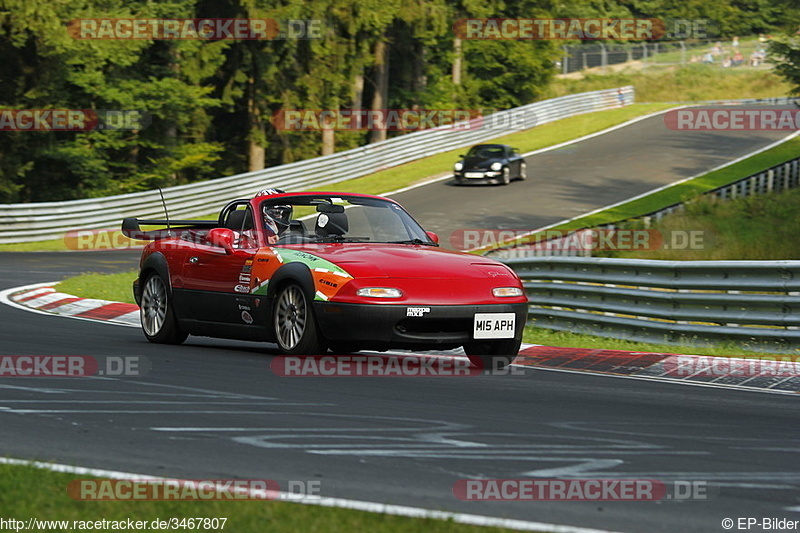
<point x="276" y="217"/>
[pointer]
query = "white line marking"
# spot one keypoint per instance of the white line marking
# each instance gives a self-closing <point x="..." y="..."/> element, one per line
<point x="341" y="503"/>
<point x="665" y="380"/>
<point x="542" y="150"/>
<point x="652" y="191"/>
<point x="592" y="465"/>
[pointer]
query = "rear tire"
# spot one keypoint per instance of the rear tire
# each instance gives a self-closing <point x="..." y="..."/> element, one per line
<point x="523" y="171"/>
<point x="157" y="314"/>
<point x="492" y="355"/>
<point x="294" y="324"/>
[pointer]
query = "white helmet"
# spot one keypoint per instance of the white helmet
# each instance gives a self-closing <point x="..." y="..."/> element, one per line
<point x="276" y="217"/>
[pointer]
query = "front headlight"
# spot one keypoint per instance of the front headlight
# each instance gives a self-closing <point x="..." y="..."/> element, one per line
<point x="507" y="292"/>
<point x="458" y="166"/>
<point x="497" y="166"/>
<point x="379" y="292"/>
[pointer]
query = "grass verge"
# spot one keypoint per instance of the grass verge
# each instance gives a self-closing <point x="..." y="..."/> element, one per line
<point x="35" y="493"/>
<point x="116" y="287"/>
<point x="441" y="164"/>
<point x="548" y="337"/>
<point x="680" y="192"/>
<point x="113" y="287"/>
<point x="689" y="83"/>
<point x="755" y="228"/>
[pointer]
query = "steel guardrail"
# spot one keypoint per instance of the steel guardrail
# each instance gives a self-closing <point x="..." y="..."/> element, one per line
<point x="51" y="220"/>
<point x="753" y="303"/>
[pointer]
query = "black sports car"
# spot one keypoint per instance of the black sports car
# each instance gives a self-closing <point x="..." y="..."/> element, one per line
<point x="490" y="163"/>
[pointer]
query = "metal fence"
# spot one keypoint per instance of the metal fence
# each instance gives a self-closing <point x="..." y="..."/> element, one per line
<point x="711" y="52"/>
<point x="753" y="303"/>
<point x="779" y="178"/>
<point x="51" y="220"/>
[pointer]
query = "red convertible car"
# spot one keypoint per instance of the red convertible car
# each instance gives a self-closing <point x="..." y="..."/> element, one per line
<point x="316" y="271"/>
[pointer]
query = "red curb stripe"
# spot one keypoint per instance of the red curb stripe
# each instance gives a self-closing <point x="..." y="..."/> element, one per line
<point x="107" y="312"/>
<point x="38" y="295"/>
<point x="58" y="303"/>
<point x="606" y="361"/>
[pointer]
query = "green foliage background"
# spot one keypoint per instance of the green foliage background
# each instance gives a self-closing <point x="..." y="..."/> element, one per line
<point x="211" y="101"/>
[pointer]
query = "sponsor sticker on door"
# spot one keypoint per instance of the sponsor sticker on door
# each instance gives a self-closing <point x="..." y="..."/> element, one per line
<point x="494" y="326"/>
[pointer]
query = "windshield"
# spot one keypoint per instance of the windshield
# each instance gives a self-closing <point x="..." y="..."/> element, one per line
<point x="329" y="218"/>
<point x="486" y="151"/>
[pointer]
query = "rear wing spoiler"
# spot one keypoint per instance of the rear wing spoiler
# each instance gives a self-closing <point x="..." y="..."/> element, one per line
<point x="131" y="227"/>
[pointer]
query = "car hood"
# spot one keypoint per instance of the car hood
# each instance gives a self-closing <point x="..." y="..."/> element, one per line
<point x="479" y="162"/>
<point x="408" y="261"/>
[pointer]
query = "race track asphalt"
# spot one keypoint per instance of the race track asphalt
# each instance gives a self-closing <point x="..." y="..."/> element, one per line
<point x="214" y="409"/>
<point x="581" y="177"/>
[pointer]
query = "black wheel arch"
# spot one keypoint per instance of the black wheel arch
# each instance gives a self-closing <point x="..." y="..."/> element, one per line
<point x="292" y="272"/>
<point x="155" y="262"/>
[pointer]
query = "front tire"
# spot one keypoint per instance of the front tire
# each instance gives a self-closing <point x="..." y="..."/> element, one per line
<point x="492" y="355"/>
<point x="506" y="178"/>
<point x="157" y="314"/>
<point x="294" y="323"/>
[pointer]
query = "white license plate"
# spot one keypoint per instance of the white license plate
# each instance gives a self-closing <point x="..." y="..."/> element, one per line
<point x="494" y="325"/>
<point x="473" y="174"/>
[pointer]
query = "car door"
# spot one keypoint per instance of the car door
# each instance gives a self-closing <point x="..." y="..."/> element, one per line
<point x="216" y="284"/>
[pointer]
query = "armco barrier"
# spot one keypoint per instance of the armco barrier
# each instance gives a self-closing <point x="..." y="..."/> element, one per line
<point x="778" y="178"/>
<point x="51" y="220"/>
<point x="753" y="303"/>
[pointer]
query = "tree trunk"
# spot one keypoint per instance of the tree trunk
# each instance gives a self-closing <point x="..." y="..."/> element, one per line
<point x="256" y="156"/>
<point x="358" y="96"/>
<point x="419" y="80"/>
<point x="381" y="81"/>
<point x="328" y="141"/>
<point x="457" y="61"/>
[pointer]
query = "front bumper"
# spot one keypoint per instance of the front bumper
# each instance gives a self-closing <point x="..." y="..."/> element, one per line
<point x="384" y="326"/>
<point x="486" y="176"/>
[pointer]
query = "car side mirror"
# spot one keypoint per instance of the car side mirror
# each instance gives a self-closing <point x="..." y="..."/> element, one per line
<point x="223" y="238"/>
<point x="432" y="236"/>
<point x="462" y="155"/>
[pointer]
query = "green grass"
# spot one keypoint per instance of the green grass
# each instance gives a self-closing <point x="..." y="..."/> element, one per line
<point x="692" y="188"/>
<point x="548" y="337"/>
<point x="691" y="83"/>
<point x="756" y="228"/>
<point x="680" y="192"/>
<point x="117" y="287"/>
<point x="29" y="492"/>
<point x="441" y="164"/>
<point x="540" y="137"/>
<point x="659" y="86"/>
<point x="113" y="287"/>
